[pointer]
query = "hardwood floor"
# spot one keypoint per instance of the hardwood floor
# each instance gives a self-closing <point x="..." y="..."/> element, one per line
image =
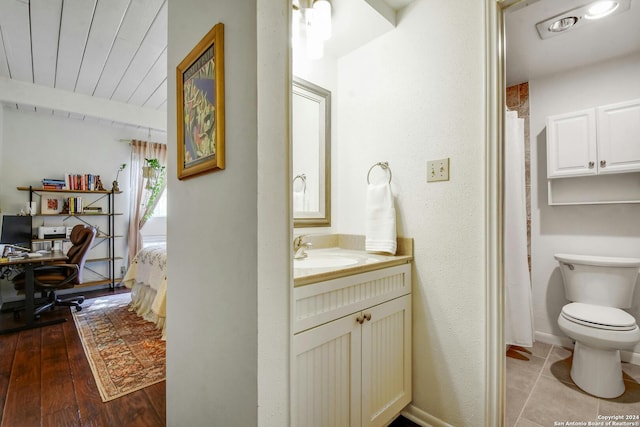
<point x="45" y="380"/>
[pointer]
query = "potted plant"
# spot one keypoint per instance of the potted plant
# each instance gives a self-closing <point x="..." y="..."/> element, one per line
<point x="155" y="174"/>
<point x="115" y="185"/>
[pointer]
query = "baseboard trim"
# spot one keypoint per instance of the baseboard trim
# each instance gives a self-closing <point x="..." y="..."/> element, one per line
<point x="422" y="418"/>
<point x="561" y="341"/>
<point x="625" y="356"/>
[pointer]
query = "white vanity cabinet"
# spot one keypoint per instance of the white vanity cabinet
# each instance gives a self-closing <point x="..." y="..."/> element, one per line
<point x="352" y="349"/>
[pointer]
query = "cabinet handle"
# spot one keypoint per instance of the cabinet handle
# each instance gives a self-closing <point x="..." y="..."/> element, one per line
<point x="591" y="165"/>
<point x="367" y="316"/>
<point x="603" y="163"/>
<point x="360" y="319"/>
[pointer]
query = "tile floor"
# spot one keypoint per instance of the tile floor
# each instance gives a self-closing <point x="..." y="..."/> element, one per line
<point x="540" y="393"/>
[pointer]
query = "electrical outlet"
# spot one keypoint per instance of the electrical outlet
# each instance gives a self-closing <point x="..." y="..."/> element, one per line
<point x="438" y="170"/>
<point x="122" y="270"/>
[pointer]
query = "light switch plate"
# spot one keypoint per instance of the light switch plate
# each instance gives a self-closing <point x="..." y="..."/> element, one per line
<point x="438" y="170"/>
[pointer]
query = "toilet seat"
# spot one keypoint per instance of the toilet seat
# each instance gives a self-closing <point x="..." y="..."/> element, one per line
<point x="600" y="317"/>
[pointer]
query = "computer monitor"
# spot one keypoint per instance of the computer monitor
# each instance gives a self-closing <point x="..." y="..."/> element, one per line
<point x="16" y="231"/>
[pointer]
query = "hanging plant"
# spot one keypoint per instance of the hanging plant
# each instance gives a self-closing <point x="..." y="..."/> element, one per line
<point x="156" y="177"/>
<point x="152" y="168"/>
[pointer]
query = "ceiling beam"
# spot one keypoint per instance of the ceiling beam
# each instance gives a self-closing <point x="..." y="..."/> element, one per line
<point x="18" y="92"/>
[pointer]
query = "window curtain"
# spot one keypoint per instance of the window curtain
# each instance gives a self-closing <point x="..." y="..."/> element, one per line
<point x="139" y="206"/>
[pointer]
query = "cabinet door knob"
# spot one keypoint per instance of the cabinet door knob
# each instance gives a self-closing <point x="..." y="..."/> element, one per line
<point x="591" y="165"/>
<point x="603" y="163"/>
<point x="360" y="319"/>
<point x="367" y="316"/>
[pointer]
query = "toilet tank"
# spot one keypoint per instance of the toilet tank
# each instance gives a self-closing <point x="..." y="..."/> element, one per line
<point x="607" y="281"/>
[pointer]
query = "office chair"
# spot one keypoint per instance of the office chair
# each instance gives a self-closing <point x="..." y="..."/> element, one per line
<point x="52" y="277"/>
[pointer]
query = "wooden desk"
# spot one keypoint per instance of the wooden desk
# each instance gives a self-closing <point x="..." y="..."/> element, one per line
<point x="29" y="289"/>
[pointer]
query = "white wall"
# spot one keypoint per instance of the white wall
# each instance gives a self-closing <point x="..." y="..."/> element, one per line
<point x="37" y="146"/>
<point x="608" y="230"/>
<point x="228" y="235"/>
<point x="408" y="97"/>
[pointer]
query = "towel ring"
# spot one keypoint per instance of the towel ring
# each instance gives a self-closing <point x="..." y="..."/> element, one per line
<point x="383" y="165"/>
<point x="303" y="178"/>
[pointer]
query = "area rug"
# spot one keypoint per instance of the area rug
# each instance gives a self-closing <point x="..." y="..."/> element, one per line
<point x="125" y="352"/>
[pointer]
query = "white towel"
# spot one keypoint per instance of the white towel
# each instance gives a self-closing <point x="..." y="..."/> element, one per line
<point x="380" y="220"/>
<point x="299" y="204"/>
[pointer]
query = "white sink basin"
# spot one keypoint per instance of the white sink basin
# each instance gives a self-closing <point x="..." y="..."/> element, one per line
<point x="324" y="261"/>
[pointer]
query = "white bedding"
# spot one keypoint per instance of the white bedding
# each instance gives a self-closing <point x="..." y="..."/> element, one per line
<point x="147" y="279"/>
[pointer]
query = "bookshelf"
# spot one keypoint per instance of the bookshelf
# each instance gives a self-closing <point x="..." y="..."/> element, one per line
<point x="97" y="210"/>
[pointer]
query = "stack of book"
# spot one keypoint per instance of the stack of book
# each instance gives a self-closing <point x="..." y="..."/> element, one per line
<point x="92" y="209"/>
<point x="53" y="184"/>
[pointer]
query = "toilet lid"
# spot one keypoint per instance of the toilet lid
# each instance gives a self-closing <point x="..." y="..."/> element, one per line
<point x="600" y="317"/>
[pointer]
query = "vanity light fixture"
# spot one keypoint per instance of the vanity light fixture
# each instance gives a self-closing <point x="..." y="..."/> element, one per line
<point x="580" y="16"/>
<point x="311" y="26"/>
<point x="322" y="18"/>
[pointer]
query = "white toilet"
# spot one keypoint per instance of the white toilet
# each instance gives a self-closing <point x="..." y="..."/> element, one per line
<point x="598" y="288"/>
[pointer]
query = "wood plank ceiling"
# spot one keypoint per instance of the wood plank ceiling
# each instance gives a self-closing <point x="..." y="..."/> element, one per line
<point x="110" y="49"/>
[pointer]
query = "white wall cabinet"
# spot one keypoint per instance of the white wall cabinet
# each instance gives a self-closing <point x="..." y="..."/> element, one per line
<point x="619" y="137"/>
<point x="601" y="140"/>
<point x="597" y="153"/>
<point x="571" y="144"/>
<point x="355" y="370"/>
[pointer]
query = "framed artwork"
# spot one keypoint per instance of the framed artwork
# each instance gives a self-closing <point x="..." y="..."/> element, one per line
<point x="200" y="109"/>
<point x="51" y="205"/>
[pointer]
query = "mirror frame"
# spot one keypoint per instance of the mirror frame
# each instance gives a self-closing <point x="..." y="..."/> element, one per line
<point x="322" y="217"/>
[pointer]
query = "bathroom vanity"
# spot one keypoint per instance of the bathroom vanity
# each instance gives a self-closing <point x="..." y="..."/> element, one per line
<point x="352" y="335"/>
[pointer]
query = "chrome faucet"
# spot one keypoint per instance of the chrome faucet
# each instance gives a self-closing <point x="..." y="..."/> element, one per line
<point x="299" y="246"/>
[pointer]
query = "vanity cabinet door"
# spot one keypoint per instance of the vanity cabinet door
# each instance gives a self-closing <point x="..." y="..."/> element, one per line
<point x="571" y="144"/>
<point x="619" y="137"/>
<point x="326" y="375"/>
<point x="386" y="361"/>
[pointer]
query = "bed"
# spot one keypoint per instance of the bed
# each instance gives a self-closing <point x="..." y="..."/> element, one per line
<point x="147" y="279"/>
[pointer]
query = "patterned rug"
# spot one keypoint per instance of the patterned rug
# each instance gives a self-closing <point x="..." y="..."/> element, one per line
<point x="126" y="353"/>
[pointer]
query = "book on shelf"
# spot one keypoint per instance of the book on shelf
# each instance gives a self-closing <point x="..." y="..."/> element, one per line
<point x="53" y="184"/>
<point x="93" y="209"/>
<point x="82" y="182"/>
<point x="53" y="181"/>
<point x="75" y="205"/>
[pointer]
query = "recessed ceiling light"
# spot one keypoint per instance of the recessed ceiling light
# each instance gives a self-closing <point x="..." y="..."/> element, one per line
<point x="601" y="9"/>
<point x="563" y="24"/>
<point x="571" y="19"/>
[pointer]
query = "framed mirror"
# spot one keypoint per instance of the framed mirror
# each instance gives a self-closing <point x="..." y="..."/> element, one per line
<point x="311" y="154"/>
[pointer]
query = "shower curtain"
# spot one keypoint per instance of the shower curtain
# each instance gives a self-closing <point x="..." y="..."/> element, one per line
<point x="518" y="311"/>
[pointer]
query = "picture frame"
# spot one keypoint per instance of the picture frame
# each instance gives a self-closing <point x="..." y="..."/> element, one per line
<point x="200" y="107"/>
<point x="51" y="205"/>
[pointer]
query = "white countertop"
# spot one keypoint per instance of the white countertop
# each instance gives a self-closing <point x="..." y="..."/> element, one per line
<point x="330" y="263"/>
